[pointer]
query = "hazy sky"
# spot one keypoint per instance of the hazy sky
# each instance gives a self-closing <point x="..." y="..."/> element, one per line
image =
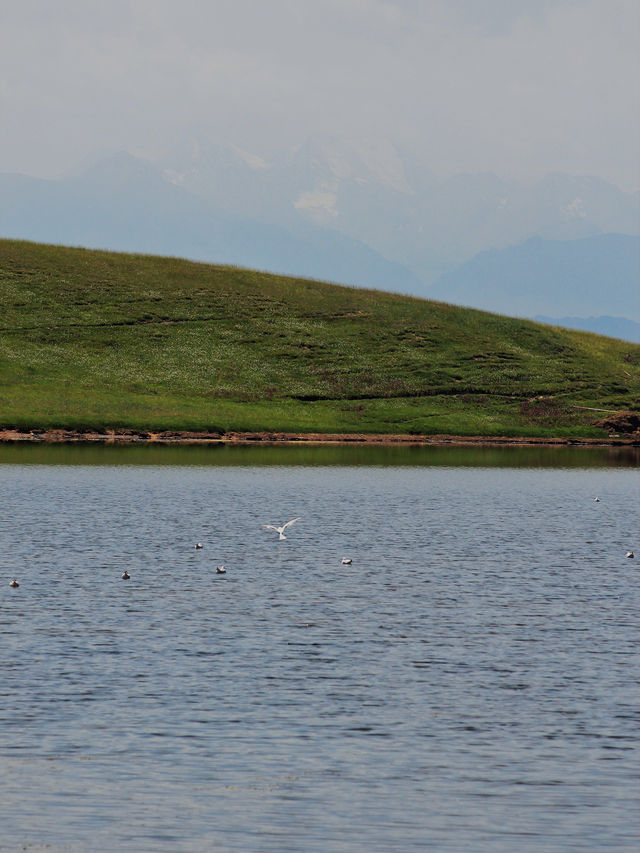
<point x="519" y="87"/>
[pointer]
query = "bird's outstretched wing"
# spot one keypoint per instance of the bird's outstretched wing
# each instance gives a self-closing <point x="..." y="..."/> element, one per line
<point x="271" y="527"/>
<point x="289" y="523"/>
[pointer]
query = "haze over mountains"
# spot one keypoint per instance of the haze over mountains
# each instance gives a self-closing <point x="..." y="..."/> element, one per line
<point x="603" y="271"/>
<point x="358" y="213"/>
<point x="125" y="204"/>
<point x="369" y="191"/>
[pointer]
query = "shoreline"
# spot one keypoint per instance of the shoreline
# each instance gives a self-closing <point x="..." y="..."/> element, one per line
<point x="125" y="437"/>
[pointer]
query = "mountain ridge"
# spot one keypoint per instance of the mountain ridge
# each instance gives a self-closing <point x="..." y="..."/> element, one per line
<point x="396" y="205"/>
<point x="612" y="327"/>
<point x="124" y="204"/>
<point x="599" y="275"/>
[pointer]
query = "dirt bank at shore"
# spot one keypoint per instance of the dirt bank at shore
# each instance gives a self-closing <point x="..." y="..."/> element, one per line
<point x="57" y="436"/>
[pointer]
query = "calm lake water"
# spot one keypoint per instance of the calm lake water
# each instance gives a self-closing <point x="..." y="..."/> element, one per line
<point x="469" y="683"/>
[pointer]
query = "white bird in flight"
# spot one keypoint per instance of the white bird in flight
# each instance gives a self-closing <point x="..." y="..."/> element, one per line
<point x="282" y="529"/>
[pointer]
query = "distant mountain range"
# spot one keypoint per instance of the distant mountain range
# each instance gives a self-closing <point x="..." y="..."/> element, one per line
<point x="595" y="276"/>
<point x="374" y="193"/>
<point x="613" y="327"/>
<point x="356" y="213"/>
<point x="125" y="204"/>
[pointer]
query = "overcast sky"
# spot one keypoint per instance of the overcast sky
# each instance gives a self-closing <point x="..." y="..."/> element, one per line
<point x="518" y="87"/>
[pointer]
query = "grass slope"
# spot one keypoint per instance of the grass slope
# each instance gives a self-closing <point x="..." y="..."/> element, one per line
<point x="100" y="340"/>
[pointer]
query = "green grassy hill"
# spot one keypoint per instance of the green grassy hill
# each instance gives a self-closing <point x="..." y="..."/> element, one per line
<point x="99" y="340"/>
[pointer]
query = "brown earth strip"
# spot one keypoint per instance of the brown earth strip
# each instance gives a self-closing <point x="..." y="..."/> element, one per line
<point x="57" y="436"/>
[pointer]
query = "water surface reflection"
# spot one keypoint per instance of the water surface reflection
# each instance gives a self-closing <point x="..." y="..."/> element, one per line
<point x="251" y="455"/>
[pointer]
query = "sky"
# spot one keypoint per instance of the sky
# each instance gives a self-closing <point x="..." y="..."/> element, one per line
<point x="517" y="87"/>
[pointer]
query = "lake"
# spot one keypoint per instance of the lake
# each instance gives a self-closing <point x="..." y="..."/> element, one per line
<point x="468" y="683"/>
